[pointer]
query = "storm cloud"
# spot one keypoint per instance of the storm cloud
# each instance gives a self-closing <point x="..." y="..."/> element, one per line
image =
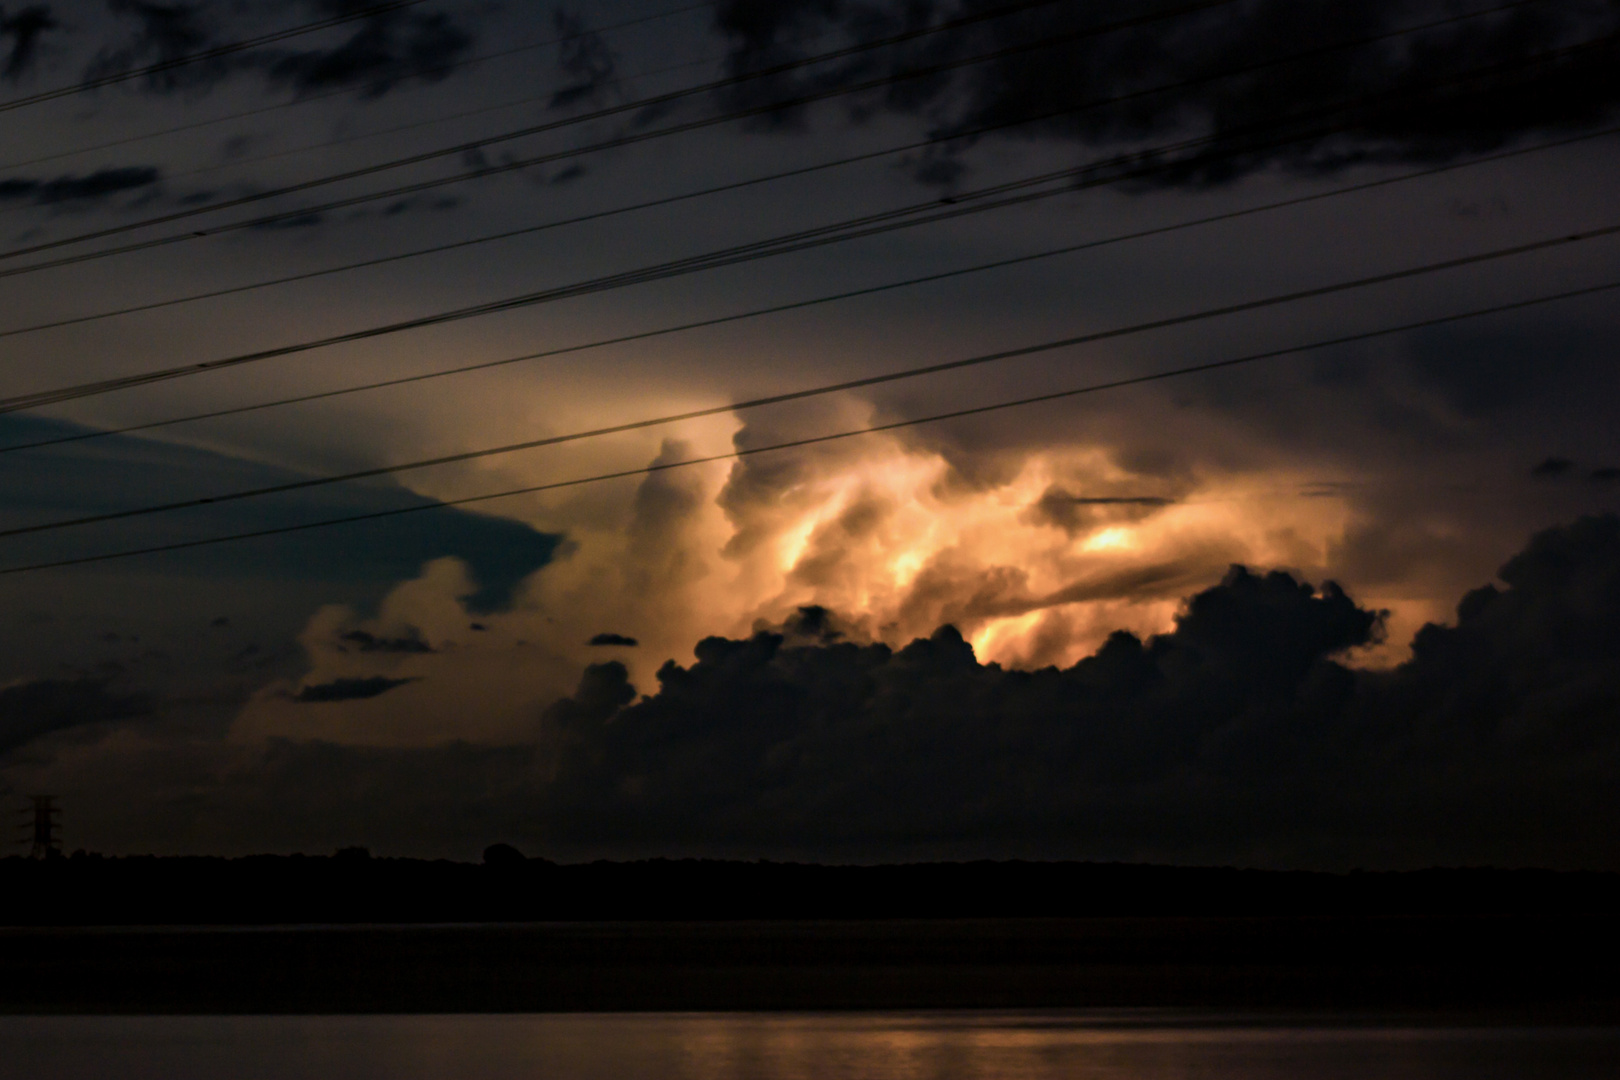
<point x="824" y="716"/>
<point x="378" y="50"/>
<point x="1217" y="74"/>
<point x="1242" y="736"/>
<point x="1492" y="742"/>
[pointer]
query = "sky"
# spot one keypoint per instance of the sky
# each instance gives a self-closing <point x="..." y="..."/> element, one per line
<point x="1309" y="557"/>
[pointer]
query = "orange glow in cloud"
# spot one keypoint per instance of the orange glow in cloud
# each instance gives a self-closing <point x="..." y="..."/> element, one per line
<point x="1027" y="569"/>
<point x="1036" y="568"/>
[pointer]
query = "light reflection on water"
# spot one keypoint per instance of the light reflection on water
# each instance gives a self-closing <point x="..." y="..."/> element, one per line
<point x="874" y="1046"/>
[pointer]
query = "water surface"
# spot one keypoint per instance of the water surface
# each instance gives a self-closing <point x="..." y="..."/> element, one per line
<point x="731" y="1046"/>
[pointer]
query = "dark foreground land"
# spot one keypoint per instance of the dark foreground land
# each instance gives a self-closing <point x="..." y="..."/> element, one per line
<point x="367" y="935"/>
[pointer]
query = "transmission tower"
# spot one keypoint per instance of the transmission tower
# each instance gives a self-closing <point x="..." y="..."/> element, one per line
<point x="46" y="814"/>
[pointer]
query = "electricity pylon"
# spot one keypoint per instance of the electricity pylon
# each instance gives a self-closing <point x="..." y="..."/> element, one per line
<point x="44" y="826"/>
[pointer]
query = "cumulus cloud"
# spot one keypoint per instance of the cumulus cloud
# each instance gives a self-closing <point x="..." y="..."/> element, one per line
<point x="816" y="580"/>
<point x="444" y="679"/>
<point x="837" y="743"/>
<point x="1238" y="735"/>
<point x="1398" y="113"/>
<point x="1494" y="742"/>
<point x="879" y="542"/>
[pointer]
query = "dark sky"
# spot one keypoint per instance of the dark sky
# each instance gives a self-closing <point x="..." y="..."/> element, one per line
<point x="745" y="656"/>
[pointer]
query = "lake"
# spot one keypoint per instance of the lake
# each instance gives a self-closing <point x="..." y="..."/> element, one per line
<point x="822" y="1046"/>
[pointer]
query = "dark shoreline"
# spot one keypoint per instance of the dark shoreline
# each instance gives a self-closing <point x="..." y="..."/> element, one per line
<point x="1535" y="969"/>
<point x="352" y="887"/>
<point x="354" y="934"/>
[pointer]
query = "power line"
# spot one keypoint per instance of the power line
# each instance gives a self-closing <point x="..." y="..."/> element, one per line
<point x="349" y="140"/>
<point x="310" y="99"/>
<point x="668" y="200"/>
<point x="415" y="125"/>
<point x="628" y="140"/>
<point x="869" y="225"/>
<point x="734" y="455"/>
<point x="488" y="238"/>
<point x="646" y="136"/>
<point x="728" y="256"/>
<point x="1048" y="253"/>
<point x="206" y="54"/>
<point x="493" y="170"/>
<point x="653" y="101"/>
<point x="840" y="387"/>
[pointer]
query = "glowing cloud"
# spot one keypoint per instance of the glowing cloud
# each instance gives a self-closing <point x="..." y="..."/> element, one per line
<point x="1036" y="568"/>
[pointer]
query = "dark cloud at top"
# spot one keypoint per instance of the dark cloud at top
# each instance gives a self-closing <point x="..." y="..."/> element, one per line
<point x="21" y="32"/>
<point x="372" y="54"/>
<point x="1401" y="117"/>
<point x="389" y="47"/>
<point x="585" y="60"/>
<point x="1239" y="735"/>
<point x="32" y="709"/>
<point x="162" y="34"/>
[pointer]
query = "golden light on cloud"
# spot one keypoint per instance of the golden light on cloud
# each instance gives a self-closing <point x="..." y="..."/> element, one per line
<point x="1035" y="568"/>
<point x="1114" y="539"/>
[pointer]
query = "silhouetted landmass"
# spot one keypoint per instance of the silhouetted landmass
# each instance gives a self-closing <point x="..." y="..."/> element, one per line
<point x="351" y="933"/>
<point x="353" y="887"/>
